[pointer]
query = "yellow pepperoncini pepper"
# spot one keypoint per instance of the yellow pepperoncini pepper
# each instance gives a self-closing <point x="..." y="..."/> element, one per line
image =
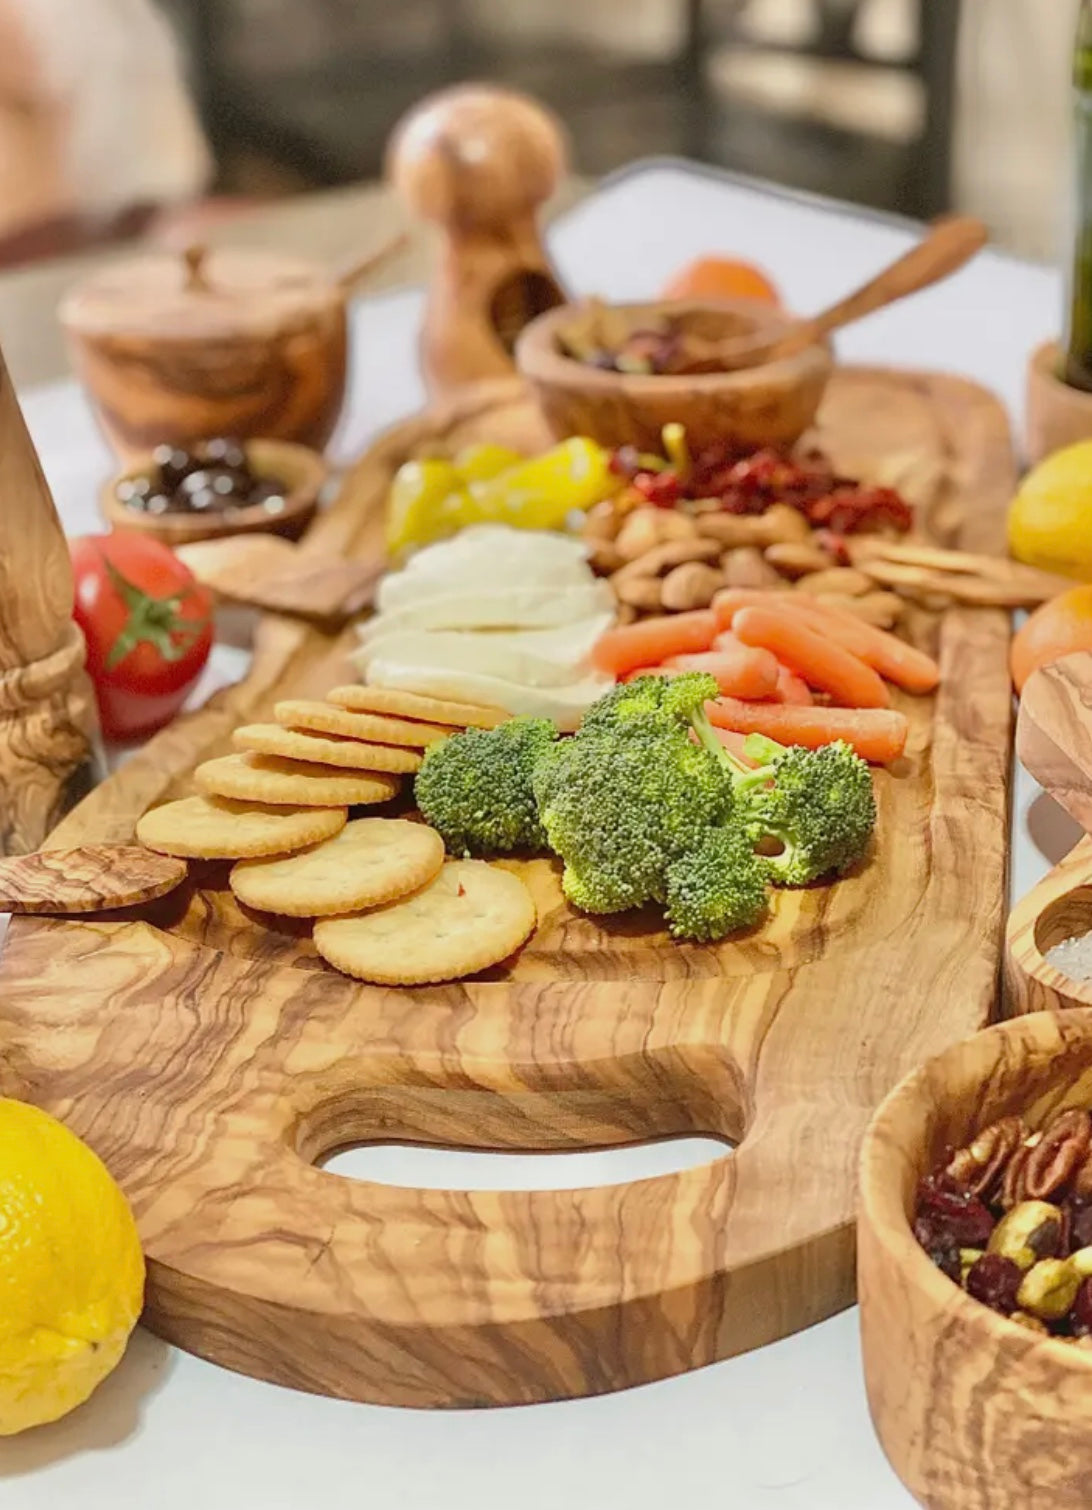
<point x="487" y="483"/>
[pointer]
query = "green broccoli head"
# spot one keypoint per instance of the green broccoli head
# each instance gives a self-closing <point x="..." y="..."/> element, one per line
<point x="619" y="802"/>
<point x="818" y="804"/>
<point x="475" y="787"/>
<point x="717" y="887"/>
<point x="675" y="698"/>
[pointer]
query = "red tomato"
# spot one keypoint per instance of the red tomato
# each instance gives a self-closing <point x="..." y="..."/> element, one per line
<point x="148" y="626"/>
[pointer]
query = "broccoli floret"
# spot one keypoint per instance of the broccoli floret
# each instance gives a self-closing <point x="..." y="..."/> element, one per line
<point x="475" y="787"/>
<point x="716" y="887"/>
<point x="619" y="801"/>
<point x="676" y="698"/>
<point x="818" y="804"/>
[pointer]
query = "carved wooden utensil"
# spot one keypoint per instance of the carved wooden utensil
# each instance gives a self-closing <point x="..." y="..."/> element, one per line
<point x="263" y="571"/>
<point x="480" y="161"/>
<point x="1054" y="733"/>
<point x="93" y="878"/>
<point x="48" y="725"/>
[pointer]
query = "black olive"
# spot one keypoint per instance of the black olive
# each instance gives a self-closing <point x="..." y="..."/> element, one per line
<point x="222" y="451"/>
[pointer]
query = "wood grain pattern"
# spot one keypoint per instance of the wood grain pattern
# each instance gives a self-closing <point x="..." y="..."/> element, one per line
<point x="242" y="1059"/>
<point x="1059" y="907"/>
<point x="480" y="161"/>
<point x="247" y="343"/>
<point x="90" y="879"/>
<point x="974" y="1412"/>
<point x="1054" y="732"/>
<point x="771" y="405"/>
<point x="47" y="710"/>
<point x="265" y="572"/>
<point x="1057" y="415"/>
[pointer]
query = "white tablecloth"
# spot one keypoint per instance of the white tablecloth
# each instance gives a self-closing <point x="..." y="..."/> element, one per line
<point x="784" y="1428"/>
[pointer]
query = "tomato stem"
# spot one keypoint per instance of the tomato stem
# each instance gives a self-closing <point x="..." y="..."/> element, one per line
<point x="151" y="621"/>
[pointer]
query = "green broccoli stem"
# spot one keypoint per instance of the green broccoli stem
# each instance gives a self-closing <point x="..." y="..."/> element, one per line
<point x="744" y="777"/>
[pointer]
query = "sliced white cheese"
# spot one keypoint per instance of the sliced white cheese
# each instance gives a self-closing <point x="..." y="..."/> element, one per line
<point x="532" y="657"/>
<point x="494" y="542"/>
<point x="474" y="574"/>
<point x="499" y="608"/>
<point x="565" y="705"/>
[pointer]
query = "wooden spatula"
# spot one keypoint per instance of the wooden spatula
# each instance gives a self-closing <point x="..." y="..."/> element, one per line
<point x="94" y="878"/>
<point x="1054" y="733"/>
<point x="266" y="572"/>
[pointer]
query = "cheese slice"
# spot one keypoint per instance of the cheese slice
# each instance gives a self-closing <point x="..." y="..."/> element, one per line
<point x="565" y="705"/>
<point x="495" y="608"/>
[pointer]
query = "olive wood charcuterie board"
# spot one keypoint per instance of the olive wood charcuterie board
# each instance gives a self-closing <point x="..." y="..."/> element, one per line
<point x="213" y="1062"/>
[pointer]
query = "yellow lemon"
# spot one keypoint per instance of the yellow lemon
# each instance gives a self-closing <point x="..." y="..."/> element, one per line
<point x="71" y="1269"/>
<point x="1050" y="521"/>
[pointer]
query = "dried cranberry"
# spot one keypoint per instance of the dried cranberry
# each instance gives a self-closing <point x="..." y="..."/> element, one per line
<point x="942" y="1249"/>
<point x="1081" y="1314"/>
<point x="994" y="1280"/>
<point x="957" y="1214"/>
<point x="658" y="488"/>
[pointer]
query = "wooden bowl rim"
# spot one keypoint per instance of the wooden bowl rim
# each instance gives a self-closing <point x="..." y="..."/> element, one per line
<point x="187" y="528"/>
<point x="538" y="359"/>
<point x="880" y="1206"/>
<point x="1023" y="925"/>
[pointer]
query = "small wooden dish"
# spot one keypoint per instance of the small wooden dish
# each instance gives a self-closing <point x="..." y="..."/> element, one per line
<point x="1057" y="415"/>
<point x="769" y="405"/>
<point x="973" y="1410"/>
<point x="302" y="470"/>
<point x="1059" y="908"/>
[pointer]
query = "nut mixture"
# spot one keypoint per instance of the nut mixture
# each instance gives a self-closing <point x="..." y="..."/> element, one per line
<point x="1009" y="1218"/>
<point x="682" y="530"/>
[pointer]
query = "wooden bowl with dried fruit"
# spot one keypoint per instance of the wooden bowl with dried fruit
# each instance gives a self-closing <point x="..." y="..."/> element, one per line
<point x="619" y="373"/>
<point x="975" y="1269"/>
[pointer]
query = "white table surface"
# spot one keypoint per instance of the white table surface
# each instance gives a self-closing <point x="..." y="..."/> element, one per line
<point x="784" y="1428"/>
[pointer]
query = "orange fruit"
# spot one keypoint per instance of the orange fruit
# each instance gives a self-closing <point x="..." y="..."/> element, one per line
<point x="721" y="278"/>
<point x="1055" y="629"/>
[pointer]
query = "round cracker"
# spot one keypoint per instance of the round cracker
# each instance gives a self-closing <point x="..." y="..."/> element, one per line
<point x="324" y="749"/>
<point x="292" y="783"/>
<point x="372" y="860"/>
<point x="215" y="828"/>
<point x="413" y="705"/>
<point x="323" y="718"/>
<point x="470" y="917"/>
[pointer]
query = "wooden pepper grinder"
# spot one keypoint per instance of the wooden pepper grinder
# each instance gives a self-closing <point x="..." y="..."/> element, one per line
<point x="480" y="161"/>
<point x="48" y="726"/>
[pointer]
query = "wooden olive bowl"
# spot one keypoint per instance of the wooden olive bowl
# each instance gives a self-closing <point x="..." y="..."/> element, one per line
<point x="769" y="405"/>
<point x="974" y="1411"/>
<point x="301" y="470"/>
<point x="1057" y="414"/>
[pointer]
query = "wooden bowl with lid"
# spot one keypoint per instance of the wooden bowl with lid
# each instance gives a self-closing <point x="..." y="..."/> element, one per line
<point x="225" y="342"/>
<point x="767" y="405"/>
<point x="301" y="472"/>
<point x="974" y="1411"/>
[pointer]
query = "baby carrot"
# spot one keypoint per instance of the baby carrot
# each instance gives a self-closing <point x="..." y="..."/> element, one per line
<point x="740" y="670"/>
<point x="792" y="688"/>
<point x="813" y="656"/>
<point x="877" y="734"/>
<point x="901" y="663"/>
<point x="732" y="600"/>
<point x="651" y="641"/>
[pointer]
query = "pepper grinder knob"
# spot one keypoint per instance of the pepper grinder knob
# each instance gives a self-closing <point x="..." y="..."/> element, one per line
<point x="479" y="161"/>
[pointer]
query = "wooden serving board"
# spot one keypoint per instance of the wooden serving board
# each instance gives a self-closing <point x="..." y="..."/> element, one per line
<point x="212" y="1062"/>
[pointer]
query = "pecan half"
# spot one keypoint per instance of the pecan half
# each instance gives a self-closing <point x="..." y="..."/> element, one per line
<point x="1081" y="1188"/>
<point x="1012" y="1183"/>
<point x="1062" y="1151"/>
<point x="981" y="1166"/>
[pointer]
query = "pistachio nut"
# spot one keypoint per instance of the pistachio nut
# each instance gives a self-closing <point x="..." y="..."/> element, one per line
<point x="1082" y="1262"/>
<point x="1029" y="1232"/>
<point x="1049" y="1289"/>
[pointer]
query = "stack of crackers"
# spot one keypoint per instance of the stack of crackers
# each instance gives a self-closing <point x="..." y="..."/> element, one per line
<point x="388" y="907"/>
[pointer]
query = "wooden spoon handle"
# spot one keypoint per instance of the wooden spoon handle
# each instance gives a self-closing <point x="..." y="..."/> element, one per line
<point x="951" y="241"/>
<point x="349" y="278"/>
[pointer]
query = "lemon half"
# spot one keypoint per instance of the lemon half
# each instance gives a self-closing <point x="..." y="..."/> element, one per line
<point x="1050" y="521"/>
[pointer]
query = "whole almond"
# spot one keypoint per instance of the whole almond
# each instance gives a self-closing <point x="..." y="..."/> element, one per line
<point x="732" y="530"/>
<point x="797" y="558"/>
<point x="690" y="586"/>
<point x="604" y="556"/>
<point x="786" y="525"/>
<point x="644" y="593"/>
<point x="602" y="521"/>
<point x="747" y="567"/>
<point x="662" y="558"/>
<point x="649" y="527"/>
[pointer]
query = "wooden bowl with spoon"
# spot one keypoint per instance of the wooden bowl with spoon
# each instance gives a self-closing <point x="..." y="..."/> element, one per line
<point x="726" y="369"/>
<point x="974" y="1411"/>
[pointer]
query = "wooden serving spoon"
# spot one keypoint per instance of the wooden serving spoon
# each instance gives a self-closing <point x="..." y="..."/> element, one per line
<point x="950" y="242"/>
<point x="95" y="878"/>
